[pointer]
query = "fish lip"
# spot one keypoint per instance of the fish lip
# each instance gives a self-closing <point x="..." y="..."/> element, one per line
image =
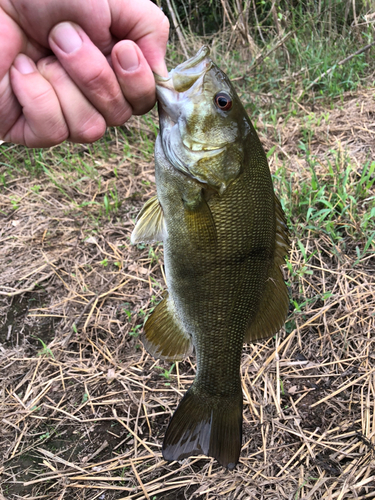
<point x="164" y="82"/>
<point x="167" y="81"/>
<point x="202" y="53"/>
<point x="172" y="90"/>
<point x="185" y="75"/>
<point x="203" y="149"/>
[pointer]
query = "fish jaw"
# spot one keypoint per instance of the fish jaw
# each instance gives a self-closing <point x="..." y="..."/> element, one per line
<point x="174" y="91"/>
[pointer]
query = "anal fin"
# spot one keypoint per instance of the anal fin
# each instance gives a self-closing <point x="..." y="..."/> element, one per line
<point x="165" y="337"/>
<point x="272" y="310"/>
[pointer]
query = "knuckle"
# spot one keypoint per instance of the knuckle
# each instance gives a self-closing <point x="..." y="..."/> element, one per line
<point x="104" y="92"/>
<point x="95" y="80"/>
<point x="161" y="20"/>
<point x="91" y="132"/>
<point x="119" y="117"/>
<point x="42" y="98"/>
<point x="89" y="126"/>
<point x="55" y="136"/>
<point x="165" y="25"/>
<point x="58" y="132"/>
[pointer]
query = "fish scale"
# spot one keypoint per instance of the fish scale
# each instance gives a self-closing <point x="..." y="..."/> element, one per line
<point x="224" y="237"/>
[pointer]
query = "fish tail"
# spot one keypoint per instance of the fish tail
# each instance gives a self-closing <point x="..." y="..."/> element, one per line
<point x="205" y="425"/>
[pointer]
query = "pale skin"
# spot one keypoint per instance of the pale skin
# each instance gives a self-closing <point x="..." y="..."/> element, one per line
<point x="70" y="68"/>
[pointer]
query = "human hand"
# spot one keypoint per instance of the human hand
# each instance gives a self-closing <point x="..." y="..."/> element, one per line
<point x="100" y="73"/>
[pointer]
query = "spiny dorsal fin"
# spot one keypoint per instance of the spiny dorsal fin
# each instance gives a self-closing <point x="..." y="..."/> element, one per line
<point x="165" y="337"/>
<point x="274" y="306"/>
<point x="150" y="224"/>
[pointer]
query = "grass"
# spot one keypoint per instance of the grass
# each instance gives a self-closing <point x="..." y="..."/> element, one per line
<point x="335" y="198"/>
<point x="84" y="416"/>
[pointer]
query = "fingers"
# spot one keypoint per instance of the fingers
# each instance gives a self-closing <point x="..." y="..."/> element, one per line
<point x="12" y="42"/>
<point x="84" y="122"/>
<point x="53" y="107"/>
<point x="90" y="71"/>
<point x="132" y="92"/>
<point x="42" y="123"/>
<point x="87" y="86"/>
<point x="134" y="75"/>
<point x="79" y="100"/>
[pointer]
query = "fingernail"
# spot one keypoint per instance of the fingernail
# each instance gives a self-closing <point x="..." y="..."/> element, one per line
<point x="66" y="37"/>
<point x="24" y="64"/>
<point x="128" y="58"/>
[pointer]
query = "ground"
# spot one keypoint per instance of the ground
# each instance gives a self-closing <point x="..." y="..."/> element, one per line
<point x="84" y="408"/>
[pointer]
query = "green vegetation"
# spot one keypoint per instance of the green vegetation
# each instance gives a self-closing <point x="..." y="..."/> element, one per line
<point x="288" y="46"/>
<point x="335" y="198"/>
<point x="45" y="351"/>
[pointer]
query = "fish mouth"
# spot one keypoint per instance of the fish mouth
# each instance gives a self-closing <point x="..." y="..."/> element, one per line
<point x="199" y="146"/>
<point x="171" y="90"/>
<point x="183" y="76"/>
<point x="175" y="89"/>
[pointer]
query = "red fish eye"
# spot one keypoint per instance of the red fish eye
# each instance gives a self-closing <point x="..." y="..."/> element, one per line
<point x="223" y="101"/>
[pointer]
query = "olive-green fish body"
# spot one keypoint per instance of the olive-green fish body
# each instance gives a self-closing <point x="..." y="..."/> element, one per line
<point x="224" y="240"/>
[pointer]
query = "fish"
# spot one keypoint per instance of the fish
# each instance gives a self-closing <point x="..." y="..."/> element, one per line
<point x="225" y="237"/>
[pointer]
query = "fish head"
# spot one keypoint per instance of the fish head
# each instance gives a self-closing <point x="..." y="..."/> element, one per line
<point x="203" y="124"/>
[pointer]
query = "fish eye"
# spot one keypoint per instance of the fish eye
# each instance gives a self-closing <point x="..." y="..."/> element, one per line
<point x="223" y="101"/>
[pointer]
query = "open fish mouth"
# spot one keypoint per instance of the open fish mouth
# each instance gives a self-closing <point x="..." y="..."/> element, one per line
<point x="186" y="74"/>
<point x="172" y="90"/>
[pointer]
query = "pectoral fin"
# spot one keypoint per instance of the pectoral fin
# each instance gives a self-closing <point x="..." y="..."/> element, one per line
<point x="200" y="223"/>
<point x="274" y="305"/>
<point x="150" y="224"/>
<point x="165" y="337"/>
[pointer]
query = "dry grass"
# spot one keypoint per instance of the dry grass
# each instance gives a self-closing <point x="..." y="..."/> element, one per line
<point x="83" y="416"/>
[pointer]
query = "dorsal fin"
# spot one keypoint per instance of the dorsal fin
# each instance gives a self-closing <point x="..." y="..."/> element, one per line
<point x="274" y="305"/>
<point x="150" y="224"/>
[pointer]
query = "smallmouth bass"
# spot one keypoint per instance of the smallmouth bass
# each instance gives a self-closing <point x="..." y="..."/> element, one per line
<point x="225" y="238"/>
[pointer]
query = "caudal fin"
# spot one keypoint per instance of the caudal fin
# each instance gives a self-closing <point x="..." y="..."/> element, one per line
<point x="205" y="425"/>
